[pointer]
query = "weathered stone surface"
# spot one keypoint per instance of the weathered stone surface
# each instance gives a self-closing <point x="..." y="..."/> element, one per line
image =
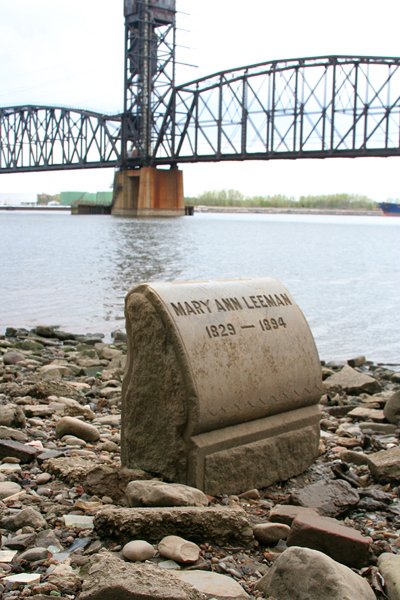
<point x="138" y="550"/>
<point x="158" y="493"/>
<point x="367" y="414"/>
<point x="23" y="452"/>
<point x="12" y="416"/>
<point x="304" y="574"/>
<point x="385" y="464"/>
<point x="286" y="513"/>
<point x="392" y="408"/>
<point x="352" y="381"/>
<point x="329" y="498"/>
<point x="108" y="577"/>
<point x="344" y="544"/>
<point x="8" y="488"/>
<point x="213" y="585"/>
<point x="26" y="516"/>
<point x="73" y="426"/>
<point x="34" y="554"/>
<point x="389" y="567"/>
<point x="9" y="433"/>
<point x="178" y="549"/>
<point x="271" y="533"/>
<point x="218" y="525"/>
<point x="96" y="479"/>
<point x="204" y="374"/>
<point x="12" y="358"/>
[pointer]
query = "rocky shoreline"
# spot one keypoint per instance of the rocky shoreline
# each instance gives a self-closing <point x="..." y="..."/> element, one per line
<point x="74" y="524"/>
<point x="288" y="211"/>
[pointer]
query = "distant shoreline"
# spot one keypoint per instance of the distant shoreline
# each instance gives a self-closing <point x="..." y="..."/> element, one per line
<point x="287" y="211"/>
<point x="37" y="208"/>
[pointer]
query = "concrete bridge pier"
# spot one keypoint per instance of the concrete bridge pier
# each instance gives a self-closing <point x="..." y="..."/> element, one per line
<point x="148" y="192"/>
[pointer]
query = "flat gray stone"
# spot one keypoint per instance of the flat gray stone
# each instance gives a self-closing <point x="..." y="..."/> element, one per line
<point x="213" y="585"/>
<point x="305" y="574"/>
<point x="385" y="465"/>
<point x="329" y="498"/>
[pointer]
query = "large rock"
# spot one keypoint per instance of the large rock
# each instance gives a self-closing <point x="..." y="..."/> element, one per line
<point x="344" y="544"/>
<point x="329" y="498"/>
<point x="385" y="465"/>
<point x="109" y="578"/>
<point x="213" y="585"/>
<point x="218" y="525"/>
<point x="158" y="493"/>
<point x="392" y="408"/>
<point x="352" y="382"/>
<point x="304" y="574"/>
<point x="389" y="567"/>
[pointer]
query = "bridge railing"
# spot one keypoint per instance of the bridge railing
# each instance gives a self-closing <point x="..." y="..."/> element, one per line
<point x="297" y="108"/>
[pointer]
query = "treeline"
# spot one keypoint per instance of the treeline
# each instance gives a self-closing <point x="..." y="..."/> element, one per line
<point x="235" y="198"/>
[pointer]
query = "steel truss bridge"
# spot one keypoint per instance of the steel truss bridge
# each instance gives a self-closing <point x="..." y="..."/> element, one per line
<point x="330" y="106"/>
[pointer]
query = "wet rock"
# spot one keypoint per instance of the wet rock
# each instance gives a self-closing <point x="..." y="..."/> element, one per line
<point x="385" y="465"/>
<point x="302" y="573"/>
<point x="158" y="493"/>
<point x="344" y="544"/>
<point x="219" y="525"/>
<point x="73" y="426"/>
<point x="109" y="577"/>
<point x="138" y="550"/>
<point x="392" y="408"/>
<point x="329" y="498"/>
<point x="389" y="567"/>
<point x="213" y="585"/>
<point x="271" y="533"/>
<point x="8" y="488"/>
<point x="176" y="548"/>
<point x="352" y="382"/>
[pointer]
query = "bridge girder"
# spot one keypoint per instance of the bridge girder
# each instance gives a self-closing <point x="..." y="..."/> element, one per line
<point x="42" y="138"/>
<point x="331" y="106"/>
<point x="321" y="107"/>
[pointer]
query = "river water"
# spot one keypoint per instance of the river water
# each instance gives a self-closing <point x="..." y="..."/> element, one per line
<point x="74" y="271"/>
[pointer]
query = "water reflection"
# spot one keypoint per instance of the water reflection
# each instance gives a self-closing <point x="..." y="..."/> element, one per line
<point x="76" y="271"/>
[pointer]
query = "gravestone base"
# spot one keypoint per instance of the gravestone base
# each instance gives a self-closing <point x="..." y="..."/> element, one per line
<point x="255" y="454"/>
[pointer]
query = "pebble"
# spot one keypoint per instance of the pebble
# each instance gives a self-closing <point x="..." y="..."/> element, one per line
<point x="176" y="548"/>
<point x="81" y="473"/>
<point x="138" y="550"/>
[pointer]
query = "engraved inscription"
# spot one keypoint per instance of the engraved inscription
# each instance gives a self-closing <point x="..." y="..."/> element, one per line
<point x="232" y="304"/>
<point x="215" y="331"/>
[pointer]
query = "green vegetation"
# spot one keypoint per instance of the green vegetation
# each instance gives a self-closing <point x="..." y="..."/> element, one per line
<point x="235" y="198"/>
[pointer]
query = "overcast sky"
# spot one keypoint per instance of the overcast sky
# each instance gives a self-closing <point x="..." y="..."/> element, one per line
<point x="70" y="53"/>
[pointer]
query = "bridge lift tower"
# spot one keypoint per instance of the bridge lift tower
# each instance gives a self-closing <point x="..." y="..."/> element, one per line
<point x="149" y="83"/>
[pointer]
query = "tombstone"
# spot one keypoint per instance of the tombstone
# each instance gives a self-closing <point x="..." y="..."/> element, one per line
<point x="222" y="384"/>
